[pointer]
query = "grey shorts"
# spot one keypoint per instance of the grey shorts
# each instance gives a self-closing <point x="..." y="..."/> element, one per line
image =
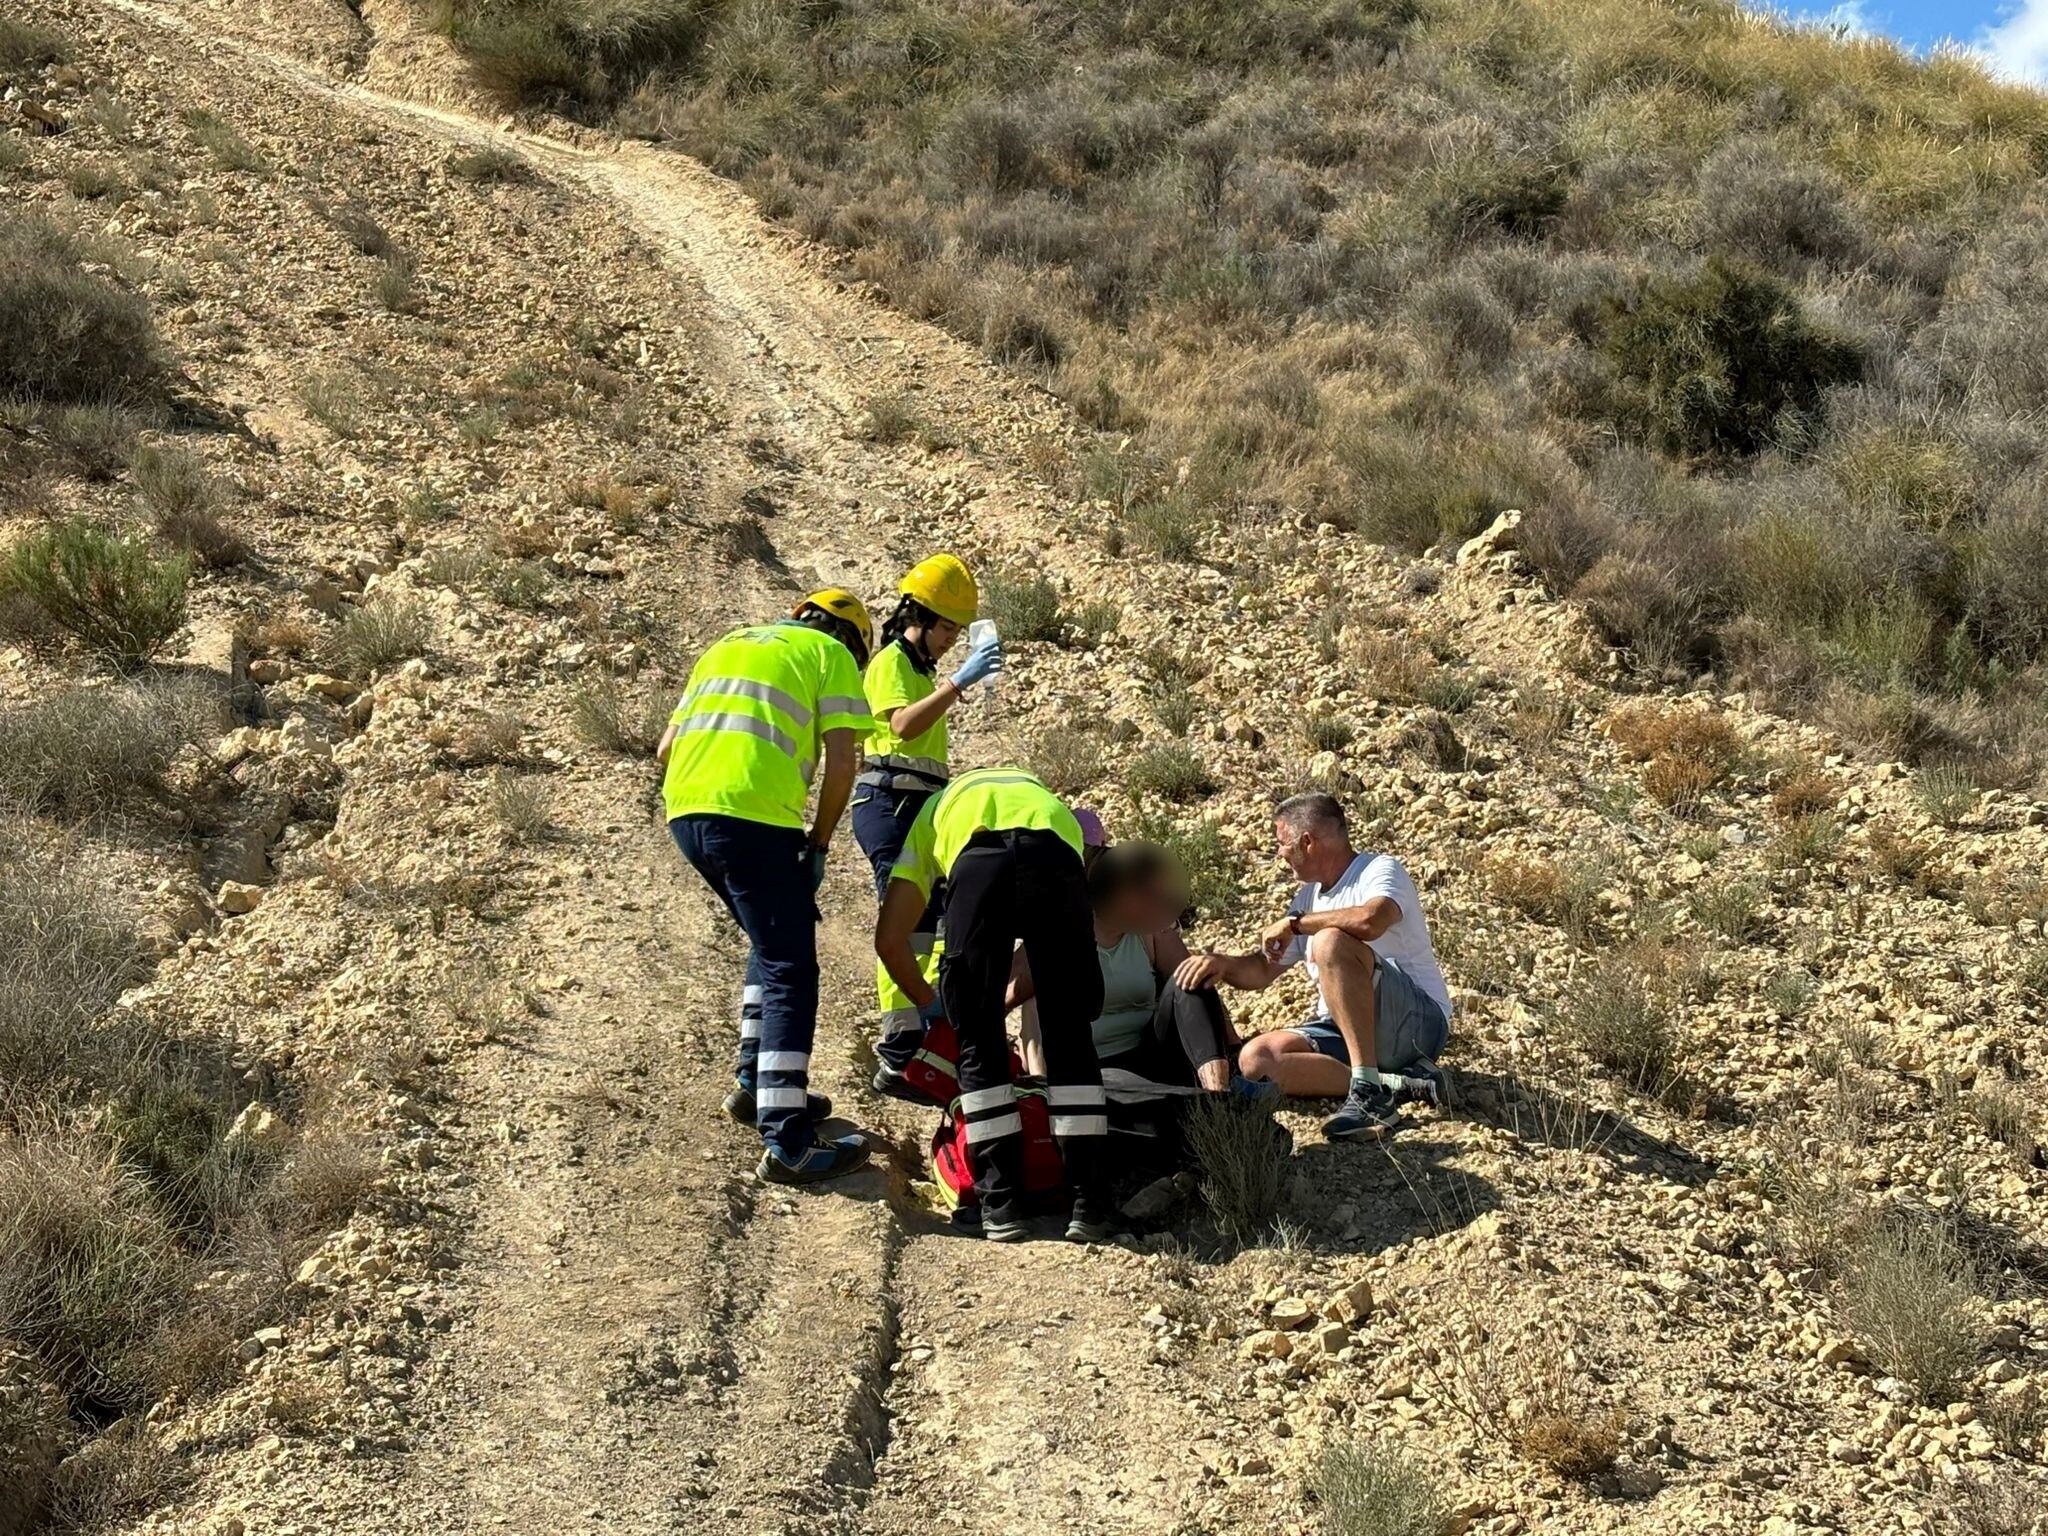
<point x="1407" y="1024"/>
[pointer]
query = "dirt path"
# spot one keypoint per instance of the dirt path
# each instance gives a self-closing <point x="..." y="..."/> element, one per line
<point x="654" y="1341"/>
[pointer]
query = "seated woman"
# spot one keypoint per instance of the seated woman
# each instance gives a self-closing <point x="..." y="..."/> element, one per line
<point x="1149" y="1026"/>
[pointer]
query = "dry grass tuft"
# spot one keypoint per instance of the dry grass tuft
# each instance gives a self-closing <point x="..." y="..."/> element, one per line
<point x="618" y="717"/>
<point x="1067" y="758"/>
<point x="385" y="628"/>
<point x="1242" y="1154"/>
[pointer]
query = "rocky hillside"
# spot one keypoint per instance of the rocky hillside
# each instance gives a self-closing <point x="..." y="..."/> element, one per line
<point x="416" y="453"/>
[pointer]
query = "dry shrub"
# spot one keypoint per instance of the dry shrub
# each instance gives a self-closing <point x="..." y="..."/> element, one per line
<point x="1242" y="1154"/>
<point x="328" y="1175"/>
<point x="1518" y="1374"/>
<point x="1686" y="750"/>
<point x="1998" y="1503"/>
<point x="118" y="1477"/>
<point x="620" y="717"/>
<point x="522" y="807"/>
<point x="1573" y="1445"/>
<point x="68" y="335"/>
<point x="1911" y="1296"/>
<point x="2006" y="1116"/>
<point x="1023" y="607"/>
<point x="87" y="1266"/>
<point x="1393" y="666"/>
<point x="1802" y="793"/>
<point x="1647" y="730"/>
<point x="1897" y="855"/>
<point x="1067" y="758"/>
<point x="1369" y="1488"/>
<point x="1171" y="772"/>
<point x="1550" y="892"/>
<point x="1734" y="909"/>
<point x="489" y="736"/>
<point x="82" y="752"/>
<point x="71" y="949"/>
<point x="1618" y="1010"/>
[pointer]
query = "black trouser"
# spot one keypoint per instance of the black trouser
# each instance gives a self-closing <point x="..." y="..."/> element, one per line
<point x="1187" y="1030"/>
<point x="1027" y="885"/>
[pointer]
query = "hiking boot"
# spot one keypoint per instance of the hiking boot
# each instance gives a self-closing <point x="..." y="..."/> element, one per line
<point x="1004" y="1226"/>
<point x="1368" y="1114"/>
<point x="1255" y="1090"/>
<point x="1091" y="1222"/>
<point x="891" y="1084"/>
<point x="816" y="1163"/>
<point x="740" y="1105"/>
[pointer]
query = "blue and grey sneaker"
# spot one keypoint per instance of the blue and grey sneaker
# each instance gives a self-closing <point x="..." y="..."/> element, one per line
<point x="740" y="1104"/>
<point x="1255" y="1090"/>
<point x="816" y="1163"/>
<point x="1368" y="1114"/>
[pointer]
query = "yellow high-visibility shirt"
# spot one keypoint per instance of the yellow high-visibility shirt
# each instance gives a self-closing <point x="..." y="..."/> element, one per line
<point x="985" y="800"/>
<point x="894" y="680"/>
<point x="751" y="725"/>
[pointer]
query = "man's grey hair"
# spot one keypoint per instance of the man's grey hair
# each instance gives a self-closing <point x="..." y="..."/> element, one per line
<point x="1313" y="812"/>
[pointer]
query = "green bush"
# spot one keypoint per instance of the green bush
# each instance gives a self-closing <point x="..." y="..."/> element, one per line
<point x="1023" y="608"/>
<point x="386" y="628"/>
<point x="67" y="335"/>
<point x="108" y="592"/>
<point x="1726" y="363"/>
<point x="1171" y="772"/>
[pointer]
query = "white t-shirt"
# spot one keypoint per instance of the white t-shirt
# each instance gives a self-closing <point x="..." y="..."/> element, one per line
<point x="1406" y="943"/>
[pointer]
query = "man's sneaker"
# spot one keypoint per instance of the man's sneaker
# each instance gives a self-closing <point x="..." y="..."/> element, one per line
<point x="1008" y="1227"/>
<point x="892" y="1084"/>
<point x="1255" y="1090"/>
<point x="1091" y="1222"/>
<point x="740" y="1105"/>
<point x="1369" y="1114"/>
<point x="1422" y="1083"/>
<point x="816" y="1163"/>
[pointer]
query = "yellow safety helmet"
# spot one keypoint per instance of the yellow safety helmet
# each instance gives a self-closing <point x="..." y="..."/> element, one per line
<point x="943" y="584"/>
<point x="838" y="603"/>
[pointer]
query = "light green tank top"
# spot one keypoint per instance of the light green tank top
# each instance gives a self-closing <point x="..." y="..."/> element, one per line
<point x="1129" y="994"/>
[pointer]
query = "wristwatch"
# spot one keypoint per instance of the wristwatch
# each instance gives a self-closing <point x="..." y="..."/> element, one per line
<point x="1294" y="924"/>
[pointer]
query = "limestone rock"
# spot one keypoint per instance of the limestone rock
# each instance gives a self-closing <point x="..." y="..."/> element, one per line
<point x="237" y="897"/>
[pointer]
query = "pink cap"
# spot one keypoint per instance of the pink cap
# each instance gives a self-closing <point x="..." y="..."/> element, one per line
<point x="1092" y="834"/>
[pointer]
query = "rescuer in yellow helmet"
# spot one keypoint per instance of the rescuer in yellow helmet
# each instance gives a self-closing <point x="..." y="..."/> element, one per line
<point x="764" y="704"/>
<point x="907" y="763"/>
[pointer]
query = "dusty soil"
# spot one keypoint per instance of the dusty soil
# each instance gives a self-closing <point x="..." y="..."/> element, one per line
<point x="572" y="1307"/>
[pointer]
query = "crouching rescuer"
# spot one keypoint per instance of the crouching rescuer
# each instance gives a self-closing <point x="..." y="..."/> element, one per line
<point x="763" y="705"/>
<point x="1009" y="854"/>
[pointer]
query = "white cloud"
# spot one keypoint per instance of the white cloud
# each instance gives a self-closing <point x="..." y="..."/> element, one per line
<point x="2018" y="44"/>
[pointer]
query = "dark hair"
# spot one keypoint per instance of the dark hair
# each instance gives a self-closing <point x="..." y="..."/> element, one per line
<point x="910" y="614"/>
<point x="1128" y="866"/>
<point x="811" y="616"/>
<point x="1312" y="812"/>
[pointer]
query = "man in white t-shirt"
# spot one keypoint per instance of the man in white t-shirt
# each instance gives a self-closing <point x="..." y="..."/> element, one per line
<point x="1357" y="921"/>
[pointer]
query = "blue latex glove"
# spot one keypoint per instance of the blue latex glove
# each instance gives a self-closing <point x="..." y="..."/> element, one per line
<point x="983" y="661"/>
<point x="814" y="861"/>
<point x="931" y="1013"/>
